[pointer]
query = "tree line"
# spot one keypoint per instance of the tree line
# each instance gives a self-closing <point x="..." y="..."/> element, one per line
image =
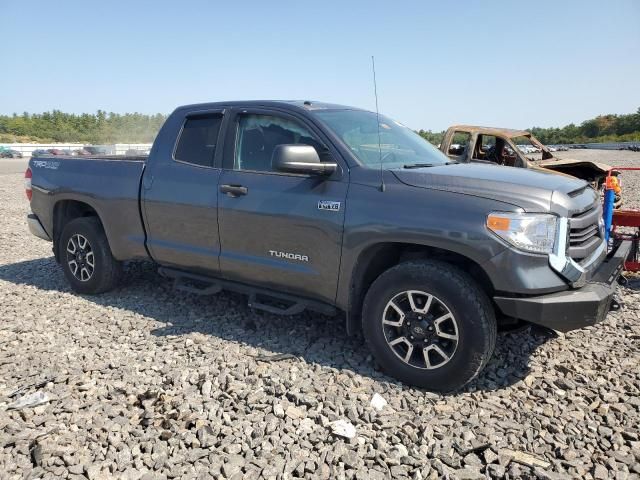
<point x="603" y="128"/>
<point x="108" y="127"/>
<point x="98" y="128"/>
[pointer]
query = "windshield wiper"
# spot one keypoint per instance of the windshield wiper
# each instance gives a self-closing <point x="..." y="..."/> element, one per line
<point x="425" y="165"/>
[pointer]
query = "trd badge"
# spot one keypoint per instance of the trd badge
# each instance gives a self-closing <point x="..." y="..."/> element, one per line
<point x="328" y="205"/>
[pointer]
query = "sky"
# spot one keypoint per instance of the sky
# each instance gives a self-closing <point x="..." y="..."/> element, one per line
<point x="497" y="63"/>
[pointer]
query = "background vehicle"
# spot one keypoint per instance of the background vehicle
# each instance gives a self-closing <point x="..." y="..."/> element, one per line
<point x="9" y="153"/>
<point x="91" y="150"/>
<point x="307" y="205"/>
<point x="516" y="148"/>
<point x="56" y="151"/>
<point x="39" y="153"/>
<point x="135" y="153"/>
<point x="633" y="148"/>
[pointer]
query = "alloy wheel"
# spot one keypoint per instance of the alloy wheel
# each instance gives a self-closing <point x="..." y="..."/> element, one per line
<point x="80" y="257"/>
<point x="420" y="329"/>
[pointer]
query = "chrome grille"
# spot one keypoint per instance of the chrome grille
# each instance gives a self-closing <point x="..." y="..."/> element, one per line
<point x="584" y="233"/>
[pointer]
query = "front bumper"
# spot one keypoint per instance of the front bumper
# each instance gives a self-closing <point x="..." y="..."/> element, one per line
<point x="571" y="309"/>
<point x="36" y="228"/>
<point x="574" y="273"/>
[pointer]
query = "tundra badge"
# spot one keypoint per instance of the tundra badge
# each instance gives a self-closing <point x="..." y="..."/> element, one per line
<point x="328" y="205"/>
<point x="289" y="256"/>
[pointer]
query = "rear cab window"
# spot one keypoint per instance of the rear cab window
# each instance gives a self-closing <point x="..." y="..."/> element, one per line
<point x="459" y="144"/>
<point x="198" y="139"/>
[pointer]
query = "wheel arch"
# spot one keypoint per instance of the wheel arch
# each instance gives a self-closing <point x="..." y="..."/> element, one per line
<point x="66" y="210"/>
<point x="379" y="257"/>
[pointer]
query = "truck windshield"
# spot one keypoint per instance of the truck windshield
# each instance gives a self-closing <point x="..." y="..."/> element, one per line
<point x="399" y="146"/>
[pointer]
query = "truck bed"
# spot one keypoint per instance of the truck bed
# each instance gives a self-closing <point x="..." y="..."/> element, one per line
<point x="108" y="184"/>
<point x="133" y="158"/>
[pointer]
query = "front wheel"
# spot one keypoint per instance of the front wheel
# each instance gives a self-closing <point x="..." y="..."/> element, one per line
<point x="86" y="257"/>
<point x="429" y="325"/>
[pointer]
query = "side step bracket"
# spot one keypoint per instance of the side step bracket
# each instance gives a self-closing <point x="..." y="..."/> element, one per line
<point x="293" y="309"/>
<point x="260" y="299"/>
<point x="183" y="285"/>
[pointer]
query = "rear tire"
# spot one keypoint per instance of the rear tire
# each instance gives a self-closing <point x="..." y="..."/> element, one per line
<point x="86" y="258"/>
<point x="429" y="324"/>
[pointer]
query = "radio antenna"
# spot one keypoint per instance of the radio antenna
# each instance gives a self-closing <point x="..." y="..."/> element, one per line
<point x="375" y="92"/>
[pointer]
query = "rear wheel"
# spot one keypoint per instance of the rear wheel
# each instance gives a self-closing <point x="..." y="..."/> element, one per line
<point x="429" y="324"/>
<point x="86" y="257"/>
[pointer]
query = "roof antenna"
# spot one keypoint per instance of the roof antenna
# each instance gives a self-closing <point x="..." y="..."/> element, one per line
<point x="375" y="92"/>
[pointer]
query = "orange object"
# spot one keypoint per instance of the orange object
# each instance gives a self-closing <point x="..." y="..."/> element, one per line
<point x="631" y="220"/>
<point x="612" y="183"/>
<point x="498" y="223"/>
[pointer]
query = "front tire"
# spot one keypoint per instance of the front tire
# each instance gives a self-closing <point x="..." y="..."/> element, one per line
<point x="86" y="258"/>
<point x="429" y="324"/>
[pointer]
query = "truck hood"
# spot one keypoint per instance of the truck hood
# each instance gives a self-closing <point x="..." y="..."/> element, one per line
<point x="562" y="163"/>
<point x="527" y="189"/>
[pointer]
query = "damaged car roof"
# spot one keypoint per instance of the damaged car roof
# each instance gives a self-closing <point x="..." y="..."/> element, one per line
<point x="506" y="132"/>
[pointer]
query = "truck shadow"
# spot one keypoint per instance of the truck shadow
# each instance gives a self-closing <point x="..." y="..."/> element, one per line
<point x="312" y="337"/>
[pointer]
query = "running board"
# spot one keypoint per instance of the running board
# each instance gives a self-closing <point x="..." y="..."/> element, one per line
<point x="183" y="285"/>
<point x="259" y="299"/>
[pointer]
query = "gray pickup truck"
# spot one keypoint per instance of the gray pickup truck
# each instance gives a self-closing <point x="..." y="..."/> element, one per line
<point x="305" y="205"/>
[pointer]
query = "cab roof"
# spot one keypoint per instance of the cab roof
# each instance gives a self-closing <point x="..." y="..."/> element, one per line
<point x="505" y="132"/>
<point x="307" y="105"/>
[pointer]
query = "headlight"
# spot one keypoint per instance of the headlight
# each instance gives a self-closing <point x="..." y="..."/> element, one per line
<point x="531" y="232"/>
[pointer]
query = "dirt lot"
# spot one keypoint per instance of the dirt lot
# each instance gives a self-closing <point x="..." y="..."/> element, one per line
<point x="630" y="180"/>
<point x="144" y="382"/>
<point x="13" y="165"/>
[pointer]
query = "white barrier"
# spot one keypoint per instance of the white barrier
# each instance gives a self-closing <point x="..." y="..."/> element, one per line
<point x="113" y="149"/>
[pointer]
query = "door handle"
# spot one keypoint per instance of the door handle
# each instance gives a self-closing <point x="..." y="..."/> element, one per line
<point x="234" y="190"/>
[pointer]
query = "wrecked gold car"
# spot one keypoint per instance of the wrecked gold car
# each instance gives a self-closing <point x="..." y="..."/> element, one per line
<point x="517" y="148"/>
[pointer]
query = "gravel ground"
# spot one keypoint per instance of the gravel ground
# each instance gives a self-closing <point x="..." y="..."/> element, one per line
<point x="614" y="158"/>
<point x="144" y="382"/>
<point x="13" y="165"/>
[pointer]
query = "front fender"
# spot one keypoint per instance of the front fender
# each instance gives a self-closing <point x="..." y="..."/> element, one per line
<point x="418" y="217"/>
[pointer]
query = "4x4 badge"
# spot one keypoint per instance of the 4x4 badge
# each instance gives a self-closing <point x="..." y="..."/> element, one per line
<point x="329" y="205"/>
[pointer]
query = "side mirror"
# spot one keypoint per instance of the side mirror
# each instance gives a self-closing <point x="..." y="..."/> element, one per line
<point x="300" y="159"/>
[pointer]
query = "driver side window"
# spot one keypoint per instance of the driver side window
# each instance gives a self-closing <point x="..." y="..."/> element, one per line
<point x="484" y="148"/>
<point x="259" y="135"/>
<point x="490" y="148"/>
